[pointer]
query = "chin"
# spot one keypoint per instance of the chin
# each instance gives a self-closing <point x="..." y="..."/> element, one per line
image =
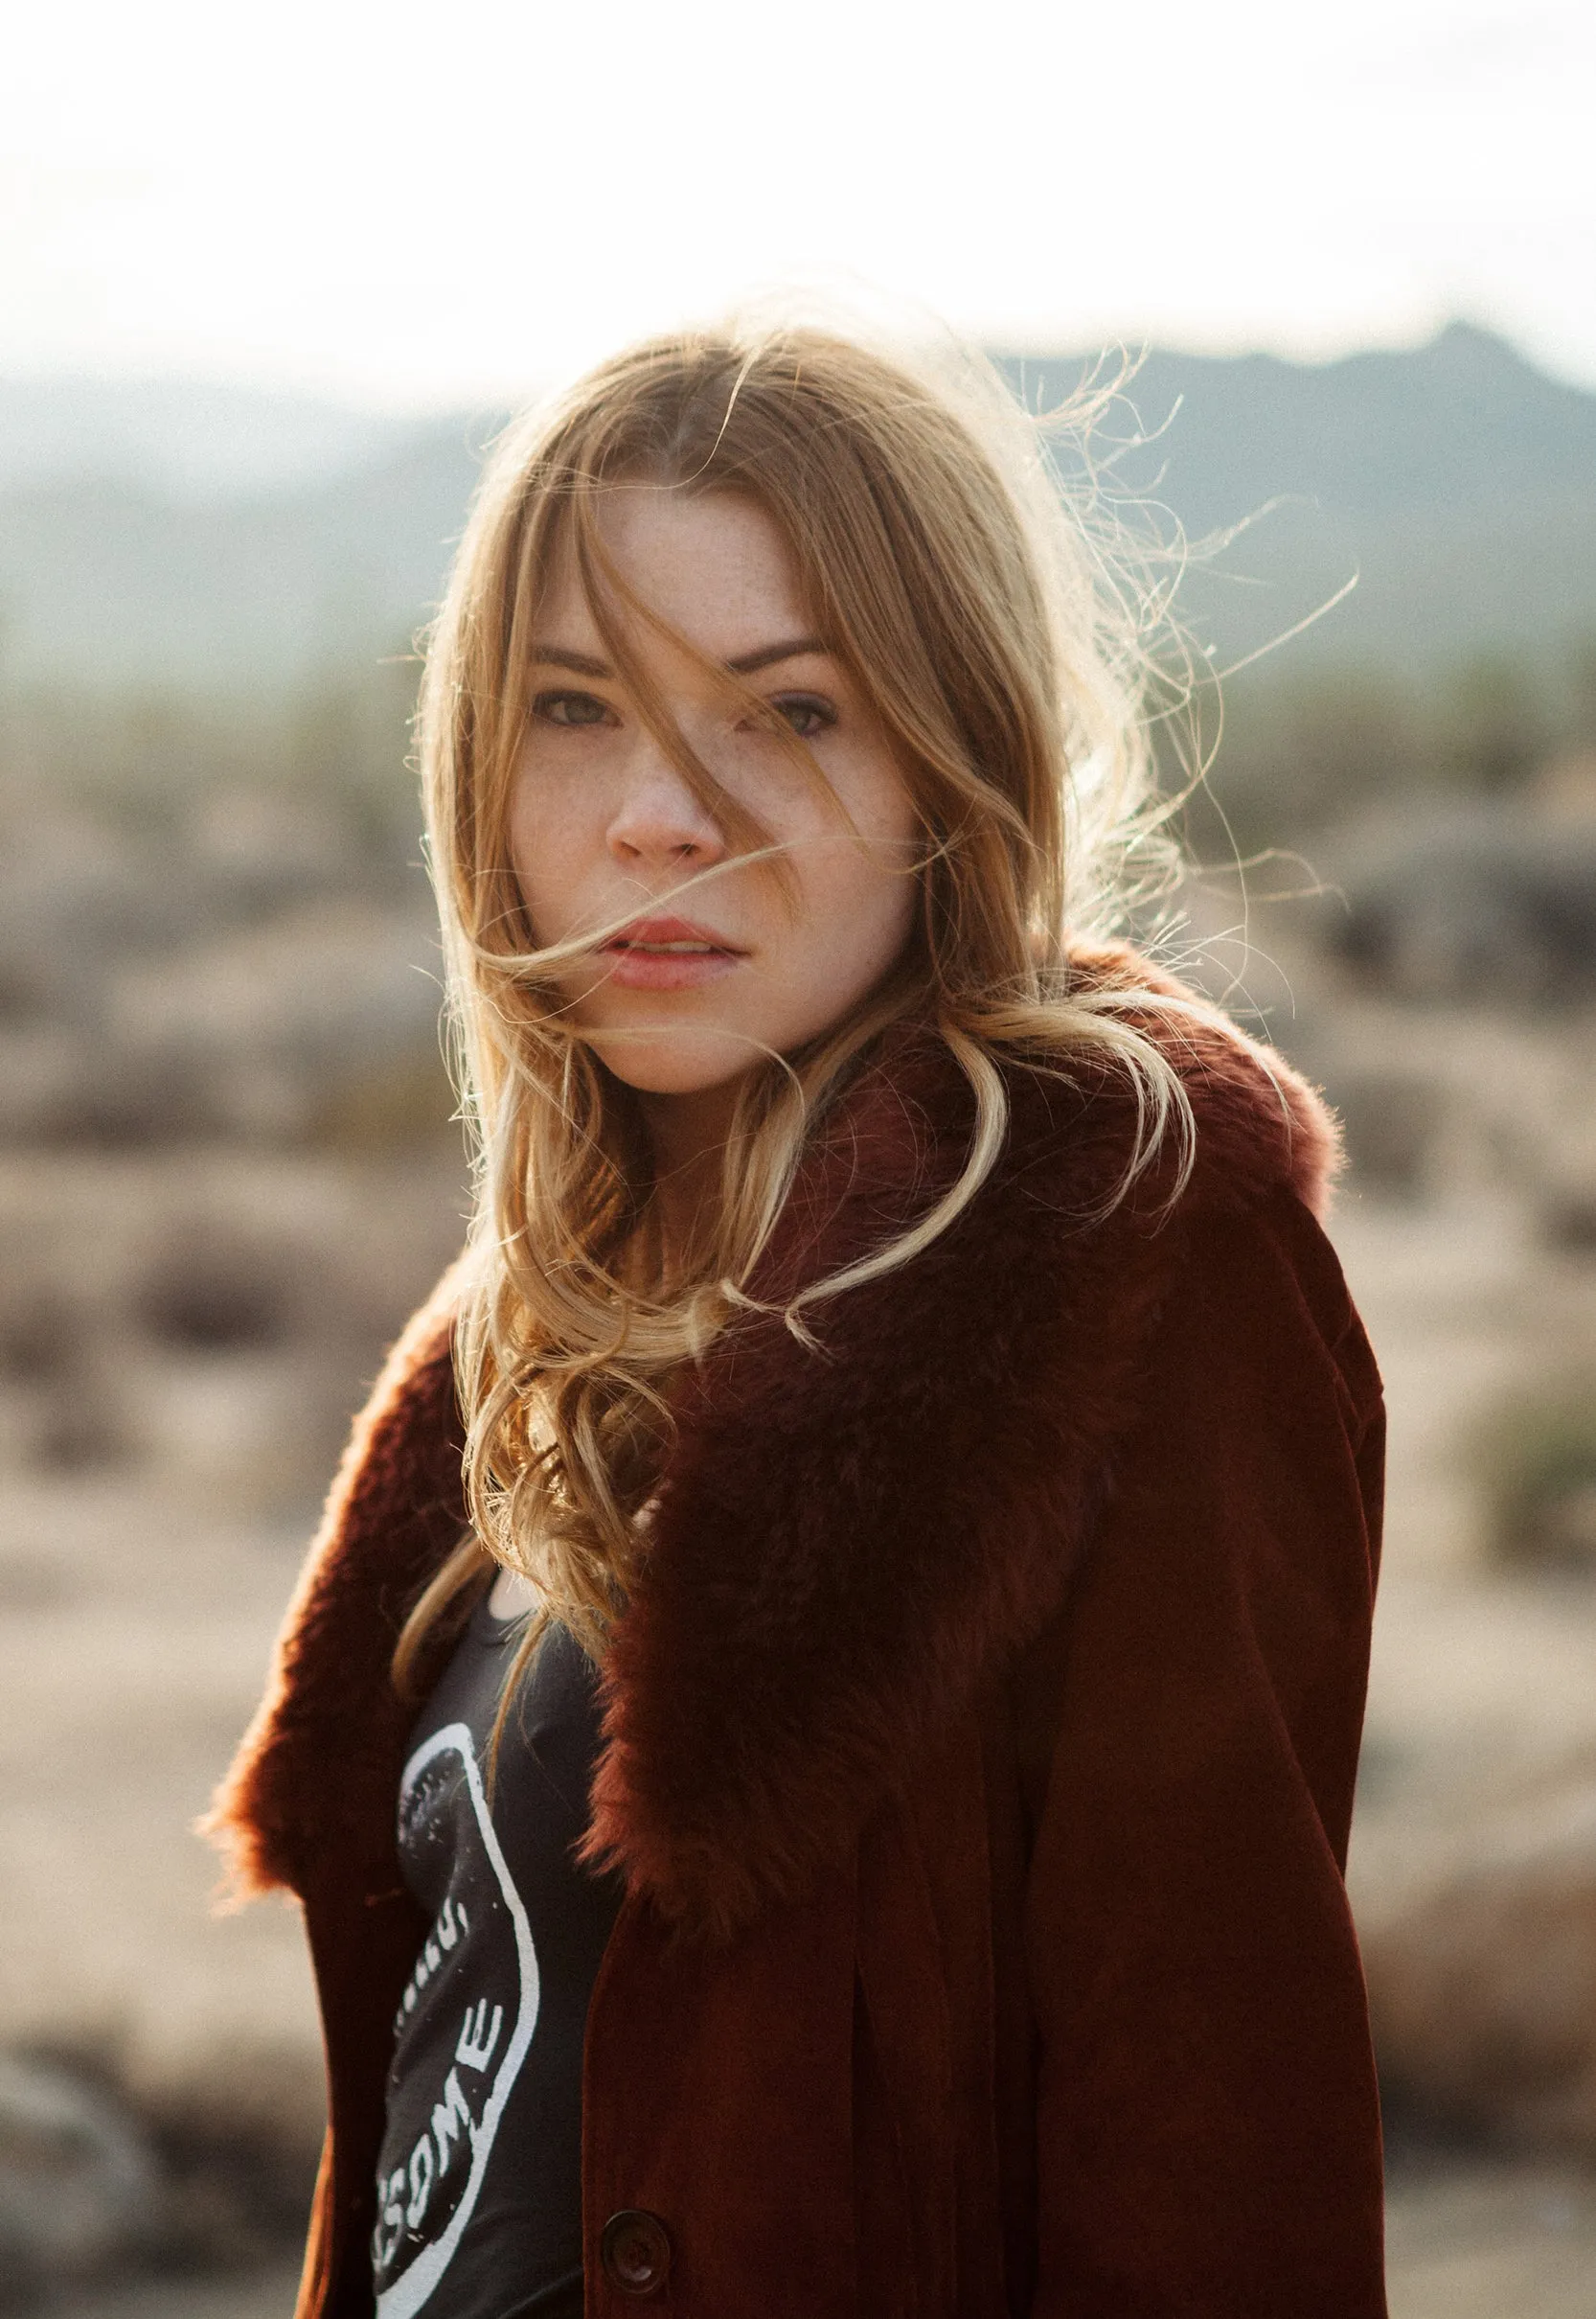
<point x="665" y="1062"/>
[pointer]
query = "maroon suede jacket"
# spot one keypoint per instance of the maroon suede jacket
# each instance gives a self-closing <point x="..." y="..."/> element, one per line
<point x="979" y="1748"/>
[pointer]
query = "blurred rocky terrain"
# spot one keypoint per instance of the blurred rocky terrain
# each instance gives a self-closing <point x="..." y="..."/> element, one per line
<point x="227" y="1171"/>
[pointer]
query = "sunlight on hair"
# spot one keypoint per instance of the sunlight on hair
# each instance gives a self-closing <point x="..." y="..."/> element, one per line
<point x="1010" y="630"/>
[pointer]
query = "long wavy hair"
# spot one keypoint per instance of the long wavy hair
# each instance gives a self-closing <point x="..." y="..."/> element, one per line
<point x="949" y="564"/>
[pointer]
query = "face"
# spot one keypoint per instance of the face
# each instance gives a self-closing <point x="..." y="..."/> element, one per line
<point x="603" y="829"/>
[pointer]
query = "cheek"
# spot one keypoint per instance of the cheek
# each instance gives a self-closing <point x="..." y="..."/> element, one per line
<point x="526" y="854"/>
<point x="860" y="906"/>
<point x="540" y="842"/>
<point x="885" y="920"/>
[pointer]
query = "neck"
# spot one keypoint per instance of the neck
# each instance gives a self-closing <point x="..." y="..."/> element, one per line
<point x="687" y="1135"/>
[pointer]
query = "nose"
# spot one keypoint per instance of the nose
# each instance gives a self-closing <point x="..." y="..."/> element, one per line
<point x="659" y="823"/>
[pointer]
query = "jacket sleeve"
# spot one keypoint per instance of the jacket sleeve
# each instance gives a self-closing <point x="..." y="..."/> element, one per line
<point x="1208" y="2137"/>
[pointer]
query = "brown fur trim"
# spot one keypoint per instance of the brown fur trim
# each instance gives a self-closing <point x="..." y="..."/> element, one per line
<point x="848" y="1540"/>
<point x="1260" y="1123"/>
<point x="324" y="1734"/>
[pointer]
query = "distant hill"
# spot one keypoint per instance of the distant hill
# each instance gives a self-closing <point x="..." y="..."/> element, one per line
<point x="117" y="583"/>
<point x="194" y="438"/>
<point x="1456" y="480"/>
<point x="190" y="536"/>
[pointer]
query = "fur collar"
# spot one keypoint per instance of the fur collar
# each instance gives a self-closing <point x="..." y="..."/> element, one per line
<point x="848" y="1543"/>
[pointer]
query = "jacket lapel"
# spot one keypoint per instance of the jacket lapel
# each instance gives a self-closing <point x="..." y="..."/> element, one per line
<point x="850" y="1539"/>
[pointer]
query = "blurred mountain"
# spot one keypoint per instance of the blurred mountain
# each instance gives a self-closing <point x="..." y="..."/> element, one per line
<point x="114" y="583"/>
<point x="1454" y="480"/>
<point x="192" y="438"/>
<point x="183" y="537"/>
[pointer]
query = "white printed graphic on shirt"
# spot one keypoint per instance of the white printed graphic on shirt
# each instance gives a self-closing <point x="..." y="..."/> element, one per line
<point x="465" y="2119"/>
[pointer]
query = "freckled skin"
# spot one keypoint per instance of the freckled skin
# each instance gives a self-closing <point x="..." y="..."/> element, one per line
<point x="602" y="826"/>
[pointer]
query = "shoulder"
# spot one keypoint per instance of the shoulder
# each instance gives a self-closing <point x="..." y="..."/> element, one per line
<point x="418" y="1374"/>
<point x="394" y="1511"/>
<point x="1221" y="1235"/>
<point x="1264" y="1158"/>
<point x="1256" y="1125"/>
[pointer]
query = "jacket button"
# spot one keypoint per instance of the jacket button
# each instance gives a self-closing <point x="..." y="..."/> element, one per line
<point x="635" y="2251"/>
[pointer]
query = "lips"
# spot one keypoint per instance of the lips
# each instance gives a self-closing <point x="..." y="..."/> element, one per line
<point x="668" y="954"/>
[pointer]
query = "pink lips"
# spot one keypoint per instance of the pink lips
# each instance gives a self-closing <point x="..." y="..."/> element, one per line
<point x="667" y="954"/>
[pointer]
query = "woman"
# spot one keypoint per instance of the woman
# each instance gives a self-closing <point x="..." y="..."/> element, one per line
<point x="856" y="1590"/>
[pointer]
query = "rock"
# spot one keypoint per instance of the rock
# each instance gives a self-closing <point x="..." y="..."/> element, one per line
<point x="1393" y="1120"/>
<point x="1475" y="900"/>
<point x="271" y="1023"/>
<point x="80" y="2193"/>
<point x="1483" y="1990"/>
<point x="210" y="1324"/>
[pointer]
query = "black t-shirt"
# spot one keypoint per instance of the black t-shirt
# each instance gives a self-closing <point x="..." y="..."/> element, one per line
<point x="479" y="2184"/>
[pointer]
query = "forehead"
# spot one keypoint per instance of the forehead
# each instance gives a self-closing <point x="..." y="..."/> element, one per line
<point x="715" y="565"/>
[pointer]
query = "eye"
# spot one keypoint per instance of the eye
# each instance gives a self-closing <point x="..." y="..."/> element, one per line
<point x="807" y="713"/>
<point x="571" y="709"/>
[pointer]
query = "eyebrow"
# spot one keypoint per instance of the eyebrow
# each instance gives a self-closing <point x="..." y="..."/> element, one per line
<point x="745" y="664"/>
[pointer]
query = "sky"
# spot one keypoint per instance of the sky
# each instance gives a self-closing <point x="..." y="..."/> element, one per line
<point x="416" y="206"/>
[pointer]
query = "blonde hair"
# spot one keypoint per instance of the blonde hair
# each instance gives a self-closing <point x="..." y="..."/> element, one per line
<point x="941" y="560"/>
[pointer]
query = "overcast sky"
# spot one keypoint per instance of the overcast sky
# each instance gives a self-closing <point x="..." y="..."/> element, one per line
<point x="426" y="204"/>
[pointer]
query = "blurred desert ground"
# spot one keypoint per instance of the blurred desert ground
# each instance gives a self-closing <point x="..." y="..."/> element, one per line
<point x="227" y="1171"/>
